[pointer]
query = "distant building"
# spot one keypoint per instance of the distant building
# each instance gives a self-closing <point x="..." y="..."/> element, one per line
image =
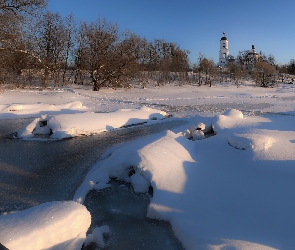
<point x="223" y="52"/>
<point x="248" y="58"/>
<point x="251" y="58"/>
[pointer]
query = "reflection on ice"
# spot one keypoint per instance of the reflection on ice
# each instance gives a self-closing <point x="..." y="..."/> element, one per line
<point x="124" y="211"/>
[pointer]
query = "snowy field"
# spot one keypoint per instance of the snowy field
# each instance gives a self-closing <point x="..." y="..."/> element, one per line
<point x="224" y="180"/>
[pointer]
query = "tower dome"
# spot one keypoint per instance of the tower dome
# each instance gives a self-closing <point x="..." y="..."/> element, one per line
<point x="223" y="37"/>
<point x="223" y="52"/>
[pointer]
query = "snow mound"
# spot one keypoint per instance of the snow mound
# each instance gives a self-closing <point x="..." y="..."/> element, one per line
<point x="239" y="142"/>
<point x="228" y="244"/>
<point x="262" y="142"/>
<point x="70" y="125"/>
<point x="15" y="107"/>
<point x="72" y="105"/>
<point x="198" y="132"/>
<point x="97" y="236"/>
<point x="272" y="144"/>
<point x="199" y="183"/>
<point x="38" y="126"/>
<point x="233" y="113"/>
<point x="148" y="159"/>
<point x="62" y="225"/>
<point x="235" y="119"/>
<point x="17" y="110"/>
<point x="139" y="183"/>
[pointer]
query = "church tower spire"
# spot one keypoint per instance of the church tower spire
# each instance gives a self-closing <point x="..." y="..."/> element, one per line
<point x="223" y="52"/>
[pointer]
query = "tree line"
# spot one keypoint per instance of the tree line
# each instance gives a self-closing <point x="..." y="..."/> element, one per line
<point x="257" y="67"/>
<point x="38" y="46"/>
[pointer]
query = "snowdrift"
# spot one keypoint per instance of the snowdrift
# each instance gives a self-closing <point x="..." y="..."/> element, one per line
<point x="70" y="125"/>
<point x="55" y="225"/>
<point x="224" y="191"/>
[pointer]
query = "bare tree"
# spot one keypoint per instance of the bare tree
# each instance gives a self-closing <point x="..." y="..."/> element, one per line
<point x="96" y="51"/>
<point x="19" y="7"/>
<point x="68" y="44"/>
<point x="199" y="67"/>
<point x="54" y="39"/>
<point x="164" y="58"/>
<point x="179" y="59"/>
<point x="44" y="46"/>
<point x="264" y="74"/>
<point x="208" y="68"/>
<point x="291" y="67"/>
<point x="15" y="55"/>
<point x="80" y="55"/>
<point x="128" y="53"/>
<point x="110" y="57"/>
<point x="236" y="72"/>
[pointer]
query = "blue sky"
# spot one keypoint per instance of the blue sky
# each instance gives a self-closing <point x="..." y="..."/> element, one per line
<point x="198" y="25"/>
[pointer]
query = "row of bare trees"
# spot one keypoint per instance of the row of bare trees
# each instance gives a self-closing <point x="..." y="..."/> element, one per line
<point x="112" y="58"/>
<point x="41" y="47"/>
<point x="37" y="46"/>
<point x="263" y="72"/>
<point x="16" y="52"/>
<point x="288" y="68"/>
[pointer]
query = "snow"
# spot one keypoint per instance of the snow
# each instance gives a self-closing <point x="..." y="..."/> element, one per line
<point x="233" y="190"/>
<point x="54" y="225"/>
<point x="68" y="125"/>
<point x="208" y="190"/>
<point x="97" y="236"/>
<point x="139" y="183"/>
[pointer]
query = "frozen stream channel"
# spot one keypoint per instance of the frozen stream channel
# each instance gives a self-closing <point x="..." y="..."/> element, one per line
<point x="34" y="172"/>
<point x="124" y="212"/>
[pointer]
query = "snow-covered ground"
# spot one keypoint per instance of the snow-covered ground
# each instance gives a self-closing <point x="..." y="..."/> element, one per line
<point x="232" y="190"/>
<point x="58" y="225"/>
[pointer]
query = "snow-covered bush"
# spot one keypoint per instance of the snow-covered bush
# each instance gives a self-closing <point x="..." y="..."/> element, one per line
<point x="198" y="132"/>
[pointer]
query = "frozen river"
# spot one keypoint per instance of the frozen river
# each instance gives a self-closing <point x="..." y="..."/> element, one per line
<point x="33" y="172"/>
<point x="124" y="212"/>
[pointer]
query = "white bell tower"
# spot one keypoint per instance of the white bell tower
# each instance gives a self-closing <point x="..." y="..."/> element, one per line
<point x="223" y="52"/>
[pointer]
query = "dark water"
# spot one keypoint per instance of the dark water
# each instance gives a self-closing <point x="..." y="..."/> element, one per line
<point x="125" y="213"/>
<point x="34" y="172"/>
